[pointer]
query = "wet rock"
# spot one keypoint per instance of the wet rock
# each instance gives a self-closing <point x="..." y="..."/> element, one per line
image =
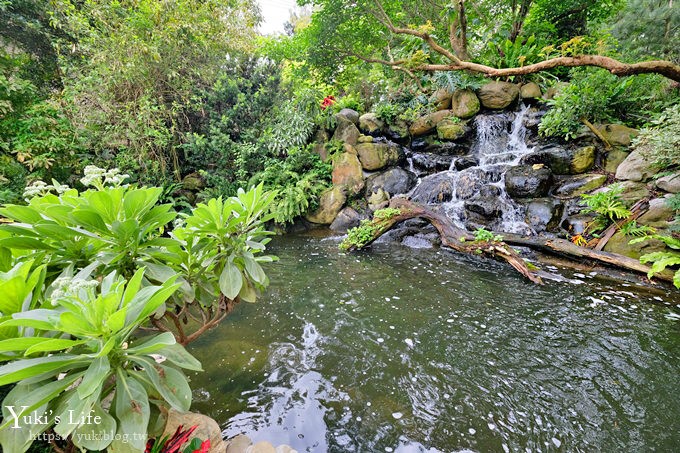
<point x="464" y="104"/>
<point x="347" y="218"/>
<point x="378" y="200"/>
<point x="437" y="188"/>
<point x="530" y="91"/>
<point x="418" y="241"/>
<point x="261" y="447"/>
<point x="346" y="131"/>
<point x="583" y="160"/>
<point x="486" y="202"/>
<point x="470" y="181"/>
<point x="525" y="181"/>
<point x="620" y="243"/>
<point x="544" y="214"/>
<point x="393" y="181"/>
<point x="614" y="158"/>
<point x="348" y="114"/>
<point x="670" y="183"/>
<point x="577" y="224"/>
<point x="465" y="162"/>
<point x="374" y="156"/>
<point x="207" y="428"/>
<point x="330" y="204"/>
<point x="448" y="148"/>
<point x="617" y="134"/>
<point x="498" y="95"/>
<point x="561" y="161"/>
<point x="441" y="99"/>
<point x="533" y="118"/>
<point x="370" y="123"/>
<point x="347" y="173"/>
<point x="452" y="130"/>
<point x="636" y="167"/>
<point x="577" y="185"/>
<point x="398" y="131"/>
<point x="426" y="124"/>
<point x="658" y="215"/>
<point x="428" y="163"/>
<point x="238" y="444"/>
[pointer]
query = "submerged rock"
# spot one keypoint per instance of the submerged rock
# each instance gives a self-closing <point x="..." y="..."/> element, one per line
<point x="498" y="95"/>
<point x="526" y="181"/>
<point x="437" y="188"/>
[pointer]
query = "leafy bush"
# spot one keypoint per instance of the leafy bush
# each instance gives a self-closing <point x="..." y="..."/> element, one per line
<point x="483" y="235"/>
<point x="660" y="142"/>
<point x="508" y="54"/>
<point x="455" y="80"/>
<point x="661" y="260"/>
<point x="607" y="204"/>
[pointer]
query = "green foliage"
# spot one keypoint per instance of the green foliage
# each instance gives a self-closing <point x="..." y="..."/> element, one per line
<point x="633" y="229"/>
<point x="607" y="204"/>
<point x="508" y="54"/>
<point x="483" y="235"/>
<point x="386" y="213"/>
<point x="359" y="237"/>
<point x="660" y="141"/>
<point x="649" y="28"/>
<point x="453" y="81"/>
<point x="661" y="260"/>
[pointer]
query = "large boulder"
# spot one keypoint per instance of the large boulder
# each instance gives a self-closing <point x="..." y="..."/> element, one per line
<point x="614" y="158"/>
<point x="465" y="162"/>
<point x="669" y="183"/>
<point x="526" y="181"/>
<point x="658" y="215"/>
<point x="544" y="214"/>
<point x="428" y="163"/>
<point x="393" y="181"/>
<point x="346" y="219"/>
<point x="620" y="243"/>
<point x="617" y="134"/>
<point x="498" y="95"/>
<point x="346" y="131"/>
<point x="562" y="161"/>
<point x="398" y="130"/>
<point x="485" y="203"/>
<point x="452" y="129"/>
<point x="375" y="156"/>
<point x="636" y="167"/>
<point x="437" y="188"/>
<point x="347" y="173"/>
<point x="441" y="99"/>
<point x="348" y="114"/>
<point x="370" y="123"/>
<point x="206" y="428"/>
<point x="464" y="104"/>
<point x="331" y="202"/>
<point x="530" y="91"/>
<point x="632" y="192"/>
<point x="426" y="124"/>
<point x="579" y="184"/>
<point x="470" y="181"/>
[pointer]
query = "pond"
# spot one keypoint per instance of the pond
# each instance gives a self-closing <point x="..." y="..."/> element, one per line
<point x="408" y="350"/>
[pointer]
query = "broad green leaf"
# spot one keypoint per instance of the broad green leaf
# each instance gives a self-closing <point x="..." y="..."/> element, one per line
<point x="95" y="436"/>
<point x="132" y="412"/>
<point x="95" y="376"/>
<point x="178" y="355"/>
<point x="155" y="344"/>
<point x="22" y="369"/>
<point x="172" y="385"/>
<point x="230" y="281"/>
<point x="254" y="270"/>
<point x="53" y="344"/>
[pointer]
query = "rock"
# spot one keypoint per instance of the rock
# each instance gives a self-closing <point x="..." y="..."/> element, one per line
<point x="464" y="104"/>
<point x="365" y="139"/>
<point x="207" y="428"/>
<point x="555" y="90"/>
<point x="427" y="123"/>
<point x="561" y="161"/>
<point x="658" y="215"/>
<point x="346" y="219"/>
<point x="378" y="200"/>
<point x="530" y="90"/>
<point x="632" y="192"/>
<point x="348" y="114"/>
<point x="544" y="214"/>
<point x="670" y="183"/>
<point x="577" y="185"/>
<point x="486" y="202"/>
<point x="346" y="131"/>
<point x="465" y="162"/>
<point x="441" y="99"/>
<point x="617" y="134"/>
<point x="238" y="444"/>
<point x="583" y="160"/>
<point x="393" y="181"/>
<point x="398" y="130"/>
<point x="577" y="224"/>
<point x="374" y="156"/>
<point x="470" y="181"/>
<point x="417" y="241"/>
<point x="330" y="204"/>
<point x="369" y="122"/>
<point x="614" y="158"/>
<point x="428" y="163"/>
<point x="437" y="188"/>
<point x="636" y="167"/>
<point x="525" y="181"/>
<point x="261" y="447"/>
<point x="498" y="95"/>
<point x="620" y="243"/>
<point x="320" y="150"/>
<point x="452" y="130"/>
<point x="347" y="173"/>
<point x="193" y="181"/>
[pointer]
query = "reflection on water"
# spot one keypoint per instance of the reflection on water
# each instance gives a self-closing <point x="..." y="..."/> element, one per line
<point x="415" y="351"/>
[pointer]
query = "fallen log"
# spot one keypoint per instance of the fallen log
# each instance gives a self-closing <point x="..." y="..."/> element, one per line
<point x="401" y="209"/>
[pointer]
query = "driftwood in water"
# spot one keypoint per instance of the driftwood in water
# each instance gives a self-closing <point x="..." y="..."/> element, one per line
<point x="450" y="235"/>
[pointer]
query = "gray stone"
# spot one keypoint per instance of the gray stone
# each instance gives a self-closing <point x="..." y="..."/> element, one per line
<point x="560" y="160"/>
<point x="346" y="131"/>
<point x="370" y="123"/>
<point x="349" y="114"/>
<point x="658" y="215"/>
<point x="577" y="185"/>
<point x="441" y="99"/>
<point x="427" y="123"/>
<point x="375" y="156"/>
<point x="378" y="200"/>
<point x="525" y="181"/>
<point x="239" y="444"/>
<point x="544" y="214"/>
<point x="470" y="181"/>
<point x="393" y="181"/>
<point x="530" y="90"/>
<point x="620" y="243"/>
<point x="398" y="130"/>
<point x="437" y="188"/>
<point x="614" y="158"/>
<point x="331" y="202"/>
<point x="464" y="104"/>
<point x="577" y="224"/>
<point x="636" y="167"/>
<point x="465" y="162"/>
<point x="498" y="95"/>
<point x="428" y="163"/>
<point x="207" y="428"/>
<point x="633" y="192"/>
<point x="670" y="183"/>
<point x="346" y="219"/>
<point x="485" y="203"/>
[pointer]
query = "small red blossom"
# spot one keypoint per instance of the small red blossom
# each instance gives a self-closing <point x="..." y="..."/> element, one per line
<point x="327" y="102"/>
<point x="205" y="447"/>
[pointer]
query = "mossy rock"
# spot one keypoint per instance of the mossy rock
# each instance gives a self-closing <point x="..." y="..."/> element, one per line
<point x="464" y="104"/>
<point x="452" y="130"/>
<point x="498" y="95"/>
<point x="427" y="123"/>
<point x="583" y="160"/>
<point x="331" y="202"/>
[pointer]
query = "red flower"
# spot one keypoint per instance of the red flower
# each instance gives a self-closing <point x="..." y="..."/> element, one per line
<point x="327" y="102"/>
<point x="205" y="447"/>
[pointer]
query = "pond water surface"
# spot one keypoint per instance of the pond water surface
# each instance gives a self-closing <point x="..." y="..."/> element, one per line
<point x="408" y="350"/>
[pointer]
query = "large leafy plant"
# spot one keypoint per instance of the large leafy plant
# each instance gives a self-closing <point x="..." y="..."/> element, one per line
<point x="77" y="366"/>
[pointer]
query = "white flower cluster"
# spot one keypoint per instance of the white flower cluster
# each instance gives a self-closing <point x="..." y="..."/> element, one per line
<point x="65" y="286"/>
<point x="99" y="177"/>
<point x="41" y="188"/>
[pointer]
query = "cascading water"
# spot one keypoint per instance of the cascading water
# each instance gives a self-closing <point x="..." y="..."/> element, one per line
<point x="479" y="190"/>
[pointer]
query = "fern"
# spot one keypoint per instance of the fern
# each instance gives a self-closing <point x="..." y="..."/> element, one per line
<point x="633" y="229"/>
<point x="608" y="205"/>
<point x="661" y="260"/>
